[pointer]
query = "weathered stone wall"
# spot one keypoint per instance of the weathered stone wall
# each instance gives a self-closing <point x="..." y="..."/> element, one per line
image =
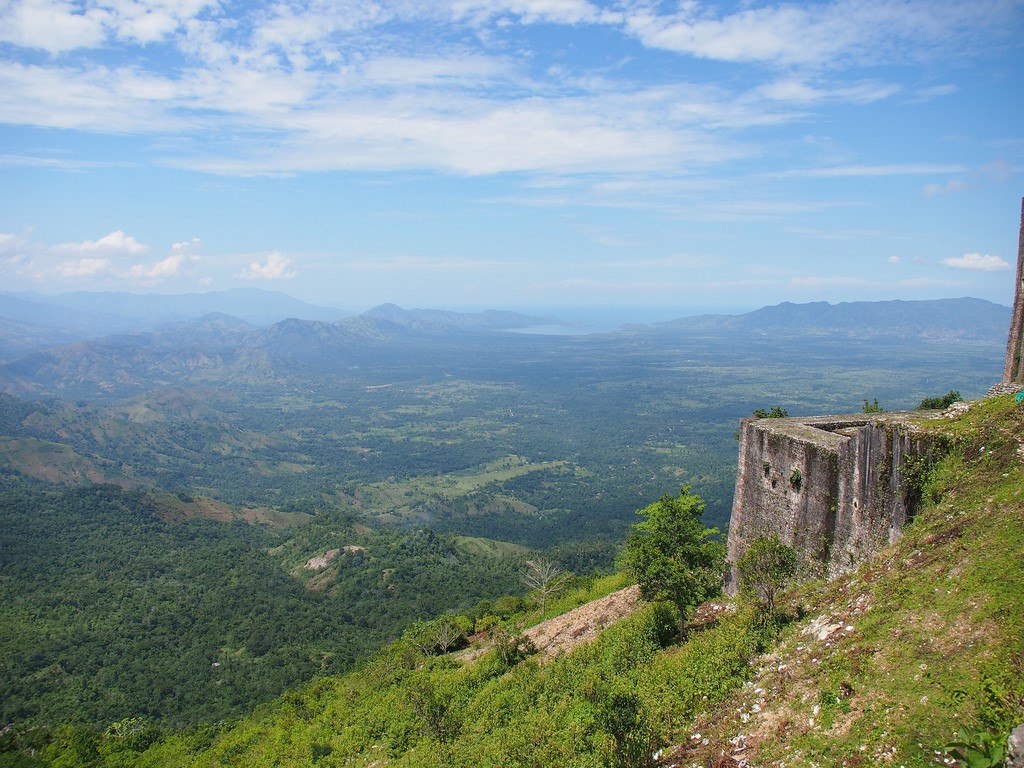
<point x="829" y="486"/>
<point x="1013" y="371"/>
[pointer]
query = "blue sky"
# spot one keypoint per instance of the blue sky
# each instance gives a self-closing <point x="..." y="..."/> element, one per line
<point x="514" y="153"/>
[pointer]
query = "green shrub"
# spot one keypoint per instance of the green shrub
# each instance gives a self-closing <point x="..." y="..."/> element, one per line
<point x="775" y="413"/>
<point x="764" y="570"/>
<point x="939" y="403"/>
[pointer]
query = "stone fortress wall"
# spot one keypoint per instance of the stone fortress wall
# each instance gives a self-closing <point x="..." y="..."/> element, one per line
<point x="832" y="487"/>
<point x="836" y="487"/>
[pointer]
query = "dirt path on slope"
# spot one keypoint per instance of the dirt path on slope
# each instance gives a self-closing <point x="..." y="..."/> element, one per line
<point x="580" y="625"/>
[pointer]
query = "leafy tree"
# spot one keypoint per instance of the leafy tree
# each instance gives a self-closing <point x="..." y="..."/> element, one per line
<point x="775" y="413"/>
<point x="764" y="569"/>
<point x="938" y="403"/>
<point x="873" y="407"/>
<point x="440" y="635"/>
<point x="508" y="606"/>
<point x="546" y="578"/>
<point x="673" y="555"/>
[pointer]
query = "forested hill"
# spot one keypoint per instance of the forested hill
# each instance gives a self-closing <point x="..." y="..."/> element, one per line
<point x="116" y="603"/>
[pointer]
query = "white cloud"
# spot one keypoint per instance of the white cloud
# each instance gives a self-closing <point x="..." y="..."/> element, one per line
<point x="92" y="262"/>
<point x="51" y="25"/>
<point x="10" y="243"/>
<point x="978" y="261"/>
<point x="316" y="32"/>
<point x="116" y="243"/>
<point x="186" y="245"/>
<point x="84" y="267"/>
<point x="163" y="269"/>
<point x="764" y="34"/>
<point x="277" y="266"/>
<point x="149" y="21"/>
<point x="58" y="26"/>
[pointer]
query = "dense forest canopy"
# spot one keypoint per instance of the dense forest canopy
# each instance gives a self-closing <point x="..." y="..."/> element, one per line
<point x="108" y="610"/>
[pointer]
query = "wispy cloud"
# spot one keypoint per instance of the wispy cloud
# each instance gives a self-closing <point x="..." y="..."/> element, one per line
<point x="895" y="169"/>
<point x="437" y="85"/>
<point x="934" y="92"/>
<point x="674" y="262"/>
<point x="532" y="11"/>
<point x="998" y="171"/>
<point x="836" y="234"/>
<point x="52" y="162"/>
<point x="819" y="34"/>
<point x="950" y="187"/>
<point x="421" y="263"/>
<point x="815" y="283"/>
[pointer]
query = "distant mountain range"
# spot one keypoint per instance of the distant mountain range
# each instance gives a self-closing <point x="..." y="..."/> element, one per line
<point x="940" y="319"/>
<point x="32" y="321"/>
<point x="222" y="348"/>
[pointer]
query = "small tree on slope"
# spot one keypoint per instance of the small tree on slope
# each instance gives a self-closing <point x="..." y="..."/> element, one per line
<point x="673" y="555"/>
<point x="764" y="570"/>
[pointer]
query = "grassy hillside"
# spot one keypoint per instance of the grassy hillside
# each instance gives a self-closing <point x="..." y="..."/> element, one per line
<point x="921" y="644"/>
<point x="884" y="667"/>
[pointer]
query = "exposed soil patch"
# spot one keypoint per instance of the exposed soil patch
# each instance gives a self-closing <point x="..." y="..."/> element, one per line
<point x="563" y="633"/>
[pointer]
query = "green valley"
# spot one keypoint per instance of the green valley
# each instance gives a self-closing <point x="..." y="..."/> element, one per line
<point x="197" y="525"/>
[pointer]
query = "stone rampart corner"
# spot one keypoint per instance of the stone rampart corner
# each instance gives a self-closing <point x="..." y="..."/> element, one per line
<point x="829" y="486"/>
